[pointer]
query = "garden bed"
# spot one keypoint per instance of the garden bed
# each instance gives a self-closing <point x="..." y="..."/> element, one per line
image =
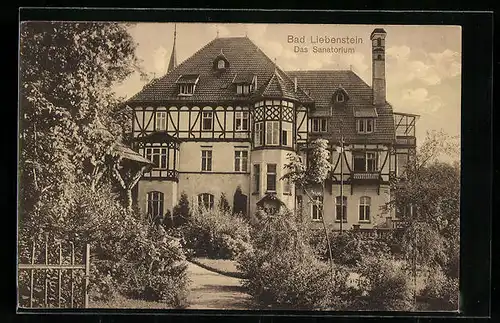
<point x="221" y="266"/>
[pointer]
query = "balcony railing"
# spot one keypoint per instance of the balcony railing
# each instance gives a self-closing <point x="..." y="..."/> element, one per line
<point x="373" y="176"/>
<point x="405" y="141"/>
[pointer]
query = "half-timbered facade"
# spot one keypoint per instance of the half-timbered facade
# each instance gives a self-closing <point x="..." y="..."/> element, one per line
<point x="228" y="116"/>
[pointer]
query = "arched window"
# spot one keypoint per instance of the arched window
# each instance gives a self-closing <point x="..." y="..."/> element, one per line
<point x="341" y="208"/>
<point x="221" y="64"/>
<point x="364" y="208"/>
<point x="155" y="204"/>
<point x="206" y="200"/>
<point x="340" y="97"/>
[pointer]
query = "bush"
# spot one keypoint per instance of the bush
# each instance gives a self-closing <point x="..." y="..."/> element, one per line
<point x="216" y="234"/>
<point x="383" y="286"/>
<point x="349" y="248"/>
<point x="282" y="270"/>
<point x="441" y="291"/>
<point x="128" y="255"/>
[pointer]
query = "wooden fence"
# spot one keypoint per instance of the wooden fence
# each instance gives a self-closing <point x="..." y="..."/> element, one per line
<point x="75" y="292"/>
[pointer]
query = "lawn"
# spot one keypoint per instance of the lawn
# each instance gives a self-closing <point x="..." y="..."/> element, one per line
<point x="123" y="302"/>
<point x="222" y="266"/>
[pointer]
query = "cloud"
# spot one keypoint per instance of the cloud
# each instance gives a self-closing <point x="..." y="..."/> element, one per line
<point x="431" y="70"/>
<point x="398" y="52"/>
<point x="419" y="99"/>
<point x="160" y="56"/>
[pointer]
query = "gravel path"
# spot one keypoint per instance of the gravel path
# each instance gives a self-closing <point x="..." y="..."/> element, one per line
<point x="210" y="290"/>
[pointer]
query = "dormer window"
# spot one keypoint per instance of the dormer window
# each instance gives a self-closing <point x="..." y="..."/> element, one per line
<point x="186" y="89"/>
<point x="340" y="95"/>
<point x="221" y="64"/>
<point x="245" y="83"/>
<point x="243" y="89"/>
<point x="365" y="125"/>
<point x="187" y="84"/>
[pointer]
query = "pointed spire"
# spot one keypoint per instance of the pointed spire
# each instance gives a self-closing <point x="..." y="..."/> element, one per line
<point x="173" y="57"/>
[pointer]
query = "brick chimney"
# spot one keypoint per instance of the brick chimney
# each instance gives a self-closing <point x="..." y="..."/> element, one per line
<point x="378" y="66"/>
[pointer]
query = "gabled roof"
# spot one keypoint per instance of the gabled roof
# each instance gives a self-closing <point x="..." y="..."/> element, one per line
<point x="243" y="78"/>
<point x="244" y="57"/>
<point x="321" y="84"/>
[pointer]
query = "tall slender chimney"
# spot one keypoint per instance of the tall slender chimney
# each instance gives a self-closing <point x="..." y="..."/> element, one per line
<point x="378" y="66"/>
<point x="173" y="57"/>
<point x="295" y="83"/>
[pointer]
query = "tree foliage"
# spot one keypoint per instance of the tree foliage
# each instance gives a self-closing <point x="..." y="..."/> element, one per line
<point x="66" y="129"/>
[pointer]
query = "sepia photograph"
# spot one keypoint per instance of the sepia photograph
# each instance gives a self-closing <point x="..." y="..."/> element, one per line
<point x="239" y="166"/>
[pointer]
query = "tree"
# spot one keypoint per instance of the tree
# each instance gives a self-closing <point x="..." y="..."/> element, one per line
<point x="224" y="204"/>
<point x="429" y="191"/>
<point x="66" y="130"/>
<point x="182" y="211"/>
<point x="307" y="178"/>
<point x="239" y="202"/>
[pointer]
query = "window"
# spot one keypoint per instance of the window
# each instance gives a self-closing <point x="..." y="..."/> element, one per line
<point x="271" y="177"/>
<point x="272" y="132"/>
<point x="365" y="125"/>
<point x="243" y="89"/>
<point x="256" y="178"/>
<point x="365" y="161"/>
<point x="206" y="201"/>
<point x="286" y="134"/>
<point x="206" y="160"/>
<point x="340" y="97"/>
<point x="155" y="204"/>
<point x="287" y="187"/>
<point x="258" y="134"/>
<point x="364" y="209"/>
<point x="240" y="160"/>
<point x="241" y="121"/>
<point x="161" y="121"/>
<point x="207" y="121"/>
<point x="316" y="208"/>
<point x="186" y="89"/>
<point x="158" y="156"/>
<point x="319" y="125"/>
<point x="221" y="64"/>
<point x="341" y="208"/>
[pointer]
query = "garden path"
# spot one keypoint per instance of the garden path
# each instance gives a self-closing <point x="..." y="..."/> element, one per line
<point x="210" y="290"/>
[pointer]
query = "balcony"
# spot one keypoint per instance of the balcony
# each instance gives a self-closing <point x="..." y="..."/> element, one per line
<point x="406" y="141"/>
<point x="365" y="176"/>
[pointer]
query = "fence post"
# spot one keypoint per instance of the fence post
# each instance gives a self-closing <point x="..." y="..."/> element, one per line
<point x="87" y="276"/>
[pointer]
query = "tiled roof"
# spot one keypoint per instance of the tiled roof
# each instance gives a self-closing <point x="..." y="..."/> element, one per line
<point x="244" y="57"/>
<point x="244" y="77"/>
<point x="322" y="84"/>
<point x="188" y="79"/>
<point x="365" y="112"/>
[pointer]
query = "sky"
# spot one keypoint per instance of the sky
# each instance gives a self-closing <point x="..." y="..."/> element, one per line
<point x="423" y="63"/>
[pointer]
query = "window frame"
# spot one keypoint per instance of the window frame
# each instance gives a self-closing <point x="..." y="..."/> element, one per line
<point x="274" y="131"/>
<point x="364" y="209"/>
<point x="344" y="207"/>
<point x="241" y="161"/>
<point x="244" y="120"/>
<point x="362" y="125"/>
<point x="320" y="123"/>
<point x="315" y="209"/>
<point x="286" y="134"/>
<point x="340" y="94"/>
<point x="219" y="66"/>
<point x="186" y="89"/>
<point x="365" y="154"/>
<point x="155" y="197"/>
<point x="163" y="118"/>
<point x="206" y="160"/>
<point x="259" y="134"/>
<point x="256" y="178"/>
<point x="206" y="115"/>
<point x="209" y="204"/>
<point x="161" y="153"/>
<point x="273" y="175"/>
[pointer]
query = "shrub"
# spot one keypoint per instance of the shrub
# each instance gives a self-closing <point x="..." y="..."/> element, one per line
<point x="383" y="286"/>
<point x="128" y="255"/>
<point x="181" y="212"/>
<point x="283" y="271"/>
<point x="216" y="234"/>
<point x="224" y="204"/>
<point x="441" y="291"/>
<point x="239" y="203"/>
<point x="350" y="248"/>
